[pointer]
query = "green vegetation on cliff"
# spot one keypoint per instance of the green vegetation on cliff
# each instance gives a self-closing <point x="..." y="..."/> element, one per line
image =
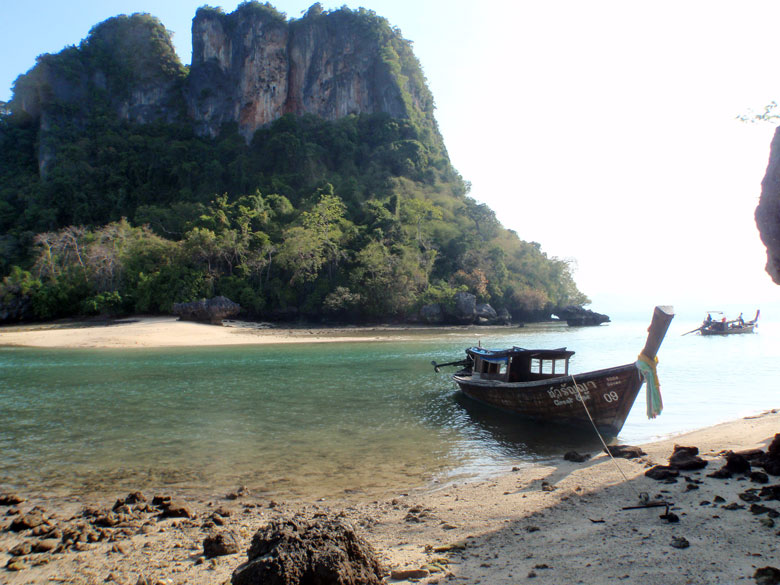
<point x="359" y="218"/>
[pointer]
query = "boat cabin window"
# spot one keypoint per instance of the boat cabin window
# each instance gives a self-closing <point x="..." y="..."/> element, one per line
<point x="492" y="367"/>
<point x="549" y="366"/>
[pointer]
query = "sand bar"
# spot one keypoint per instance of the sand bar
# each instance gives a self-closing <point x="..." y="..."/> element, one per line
<point x="170" y="332"/>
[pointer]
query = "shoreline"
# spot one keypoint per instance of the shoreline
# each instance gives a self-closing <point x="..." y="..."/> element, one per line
<point x="169" y="331"/>
<point x="555" y="522"/>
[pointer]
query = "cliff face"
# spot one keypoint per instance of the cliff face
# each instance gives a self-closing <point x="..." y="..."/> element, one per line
<point x="252" y="67"/>
<point x="239" y="70"/>
<point x="249" y="67"/>
<point x="768" y="210"/>
<point x="333" y="75"/>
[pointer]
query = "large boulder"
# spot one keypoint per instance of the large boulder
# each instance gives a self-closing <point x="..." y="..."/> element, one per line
<point x="504" y="317"/>
<point x="768" y="210"/>
<point x="772" y="460"/>
<point x="465" y="309"/>
<point x="209" y="311"/>
<point x="432" y="314"/>
<point x="297" y="551"/>
<point x="486" y="315"/>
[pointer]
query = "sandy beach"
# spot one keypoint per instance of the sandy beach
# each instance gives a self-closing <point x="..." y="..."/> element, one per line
<point x="170" y="332"/>
<point x="563" y="522"/>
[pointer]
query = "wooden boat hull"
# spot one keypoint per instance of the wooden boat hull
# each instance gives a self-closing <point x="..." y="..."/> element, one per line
<point x="609" y="395"/>
<point x="729" y="330"/>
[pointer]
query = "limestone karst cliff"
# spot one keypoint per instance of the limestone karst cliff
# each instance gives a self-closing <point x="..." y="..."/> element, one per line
<point x="249" y="67"/>
<point x="252" y="67"/>
<point x="768" y="210"/>
<point x="295" y="168"/>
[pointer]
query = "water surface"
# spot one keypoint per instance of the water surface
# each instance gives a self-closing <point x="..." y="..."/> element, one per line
<point x="317" y="420"/>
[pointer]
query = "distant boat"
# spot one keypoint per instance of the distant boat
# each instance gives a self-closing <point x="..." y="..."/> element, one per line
<point x="723" y="326"/>
<point x="536" y="383"/>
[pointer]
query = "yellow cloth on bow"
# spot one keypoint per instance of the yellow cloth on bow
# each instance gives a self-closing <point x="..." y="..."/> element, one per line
<point x="648" y="369"/>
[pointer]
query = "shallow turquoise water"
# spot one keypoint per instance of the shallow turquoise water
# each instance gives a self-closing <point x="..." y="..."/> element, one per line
<point x="318" y="420"/>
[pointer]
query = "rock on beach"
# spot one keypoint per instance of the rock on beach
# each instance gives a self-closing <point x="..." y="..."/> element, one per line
<point x="297" y="550"/>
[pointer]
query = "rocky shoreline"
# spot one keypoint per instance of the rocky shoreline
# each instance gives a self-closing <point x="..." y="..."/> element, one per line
<point x="585" y="519"/>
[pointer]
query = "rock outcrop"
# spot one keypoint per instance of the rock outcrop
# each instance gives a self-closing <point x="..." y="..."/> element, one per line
<point x="465" y="307"/>
<point x="768" y="210"/>
<point x="326" y="552"/>
<point x="485" y="314"/>
<point x="432" y="314"/>
<point x="464" y="310"/>
<point x="210" y="311"/>
<point x="578" y="317"/>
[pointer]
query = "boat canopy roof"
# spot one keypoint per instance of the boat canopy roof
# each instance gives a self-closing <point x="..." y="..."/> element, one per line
<point x="503" y="355"/>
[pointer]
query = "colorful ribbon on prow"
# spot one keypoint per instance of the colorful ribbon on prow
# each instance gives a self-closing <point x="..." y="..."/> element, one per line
<point x="647" y="369"/>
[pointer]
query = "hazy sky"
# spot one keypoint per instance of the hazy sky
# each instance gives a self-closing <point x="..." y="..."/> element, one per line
<point x="605" y="130"/>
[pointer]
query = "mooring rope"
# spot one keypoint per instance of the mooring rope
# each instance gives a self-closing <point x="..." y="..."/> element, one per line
<point x="603" y="442"/>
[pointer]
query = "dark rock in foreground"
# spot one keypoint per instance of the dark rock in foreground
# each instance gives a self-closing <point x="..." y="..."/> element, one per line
<point x="736" y="463"/>
<point x="686" y="458"/>
<point x="625" y="451"/>
<point x="221" y="543"/>
<point x="722" y="473"/>
<point x="767" y="576"/>
<point x="576" y="457"/>
<point x="175" y="509"/>
<point x="770" y="492"/>
<point x="759" y="477"/>
<point x="316" y="552"/>
<point x="10" y="499"/>
<point x="661" y="472"/>
<point x="210" y="311"/>
<point x="774" y="448"/>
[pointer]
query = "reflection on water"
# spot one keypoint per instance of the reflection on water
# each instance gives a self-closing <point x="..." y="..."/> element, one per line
<point x="319" y="420"/>
<point x="510" y="437"/>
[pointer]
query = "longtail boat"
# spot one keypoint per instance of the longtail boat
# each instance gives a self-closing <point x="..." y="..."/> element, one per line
<point x="536" y="383"/>
<point x="728" y="327"/>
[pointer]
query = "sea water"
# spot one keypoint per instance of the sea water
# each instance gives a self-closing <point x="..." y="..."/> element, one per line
<point x="333" y="419"/>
